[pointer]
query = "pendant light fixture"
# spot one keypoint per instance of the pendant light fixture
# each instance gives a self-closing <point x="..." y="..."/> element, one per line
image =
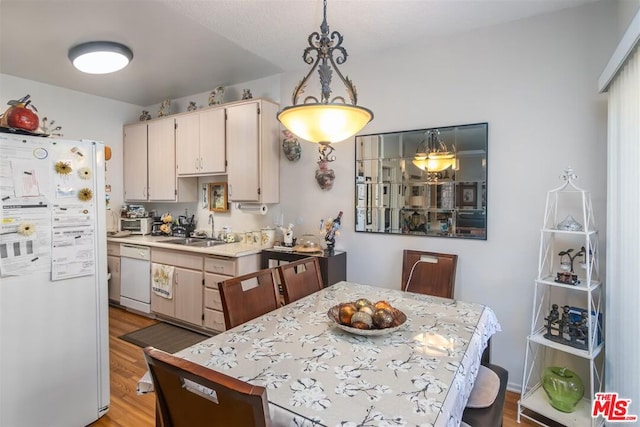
<point x="325" y="120"/>
<point x="100" y="57"/>
<point x="432" y="154"/>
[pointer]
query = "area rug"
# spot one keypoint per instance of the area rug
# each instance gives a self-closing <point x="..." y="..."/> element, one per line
<point x="164" y="336"/>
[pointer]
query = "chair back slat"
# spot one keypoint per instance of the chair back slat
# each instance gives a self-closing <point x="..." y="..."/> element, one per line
<point x="429" y="273"/>
<point x="249" y="296"/>
<point x="192" y="395"/>
<point x="300" y="278"/>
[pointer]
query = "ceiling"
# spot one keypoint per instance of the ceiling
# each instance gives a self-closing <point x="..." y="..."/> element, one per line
<point x="185" y="47"/>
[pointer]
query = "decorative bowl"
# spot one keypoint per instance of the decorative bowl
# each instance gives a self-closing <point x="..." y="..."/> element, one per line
<point x="399" y="319"/>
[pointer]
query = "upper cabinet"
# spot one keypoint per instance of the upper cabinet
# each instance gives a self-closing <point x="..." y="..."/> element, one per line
<point x="150" y="164"/>
<point x="200" y="143"/>
<point x="164" y="157"/>
<point x="253" y="152"/>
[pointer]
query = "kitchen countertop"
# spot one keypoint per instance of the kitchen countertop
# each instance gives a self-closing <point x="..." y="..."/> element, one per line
<point x="233" y="250"/>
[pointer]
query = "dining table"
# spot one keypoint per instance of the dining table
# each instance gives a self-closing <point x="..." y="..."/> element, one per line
<point x="318" y="373"/>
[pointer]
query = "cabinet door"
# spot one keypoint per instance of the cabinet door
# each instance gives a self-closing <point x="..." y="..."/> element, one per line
<point x="163" y="305"/>
<point x="162" y="160"/>
<point x="188" y="158"/>
<point x="212" y="141"/>
<point x="243" y="154"/>
<point x="134" y="153"/>
<point x="113" y="265"/>
<point x="188" y="295"/>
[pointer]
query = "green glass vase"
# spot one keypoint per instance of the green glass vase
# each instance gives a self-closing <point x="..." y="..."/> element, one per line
<point x="563" y="387"/>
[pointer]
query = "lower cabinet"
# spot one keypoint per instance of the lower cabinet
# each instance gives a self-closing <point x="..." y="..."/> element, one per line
<point x="216" y="270"/>
<point x="113" y="266"/>
<point x="186" y="303"/>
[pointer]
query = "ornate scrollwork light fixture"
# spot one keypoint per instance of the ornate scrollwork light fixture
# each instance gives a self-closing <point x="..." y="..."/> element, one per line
<point x="325" y="121"/>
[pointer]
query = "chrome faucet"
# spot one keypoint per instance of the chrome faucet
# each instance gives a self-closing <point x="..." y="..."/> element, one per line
<point x="213" y="229"/>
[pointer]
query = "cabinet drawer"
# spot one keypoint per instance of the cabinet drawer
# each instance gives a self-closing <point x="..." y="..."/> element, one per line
<point x="220" y="266"/>
<point x="177" y="258"/>
<point x="212" y="299"/>
<point x="214" y="320"/>
<point x="211" y="280"/>
<point x="113" y="249"/>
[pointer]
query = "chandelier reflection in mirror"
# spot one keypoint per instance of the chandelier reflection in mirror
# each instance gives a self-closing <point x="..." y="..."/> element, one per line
<point x="325" y="120"/>
<point x="432" y="155"/>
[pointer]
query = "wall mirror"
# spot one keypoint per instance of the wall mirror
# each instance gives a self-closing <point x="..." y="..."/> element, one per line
<point x="427" y="182"/>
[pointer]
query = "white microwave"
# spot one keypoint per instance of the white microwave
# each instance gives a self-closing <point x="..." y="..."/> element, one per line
<point x="136" y="225"/>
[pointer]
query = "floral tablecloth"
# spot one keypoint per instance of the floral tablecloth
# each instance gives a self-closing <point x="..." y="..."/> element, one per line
<point x="319" y="375"/>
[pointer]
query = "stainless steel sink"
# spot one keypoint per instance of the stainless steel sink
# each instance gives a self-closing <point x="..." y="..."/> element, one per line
<point x="206" y="243"/>
<point x="194" y="241"/>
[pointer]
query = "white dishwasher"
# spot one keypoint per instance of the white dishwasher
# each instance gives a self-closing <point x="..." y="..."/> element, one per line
<point x="135" y="277"/>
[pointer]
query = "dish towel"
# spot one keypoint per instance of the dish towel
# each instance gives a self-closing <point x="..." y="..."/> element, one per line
<point x="162" y="280"/>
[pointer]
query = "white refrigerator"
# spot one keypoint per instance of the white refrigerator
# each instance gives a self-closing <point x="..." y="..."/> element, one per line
<point x="54" y="342"/>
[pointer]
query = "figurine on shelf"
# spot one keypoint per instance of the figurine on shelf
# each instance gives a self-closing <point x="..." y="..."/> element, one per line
<point x="216" y="96"/>
<point x="192" y="106"/>
<point x="246" y="94"/>
<point x="567" y="275"/>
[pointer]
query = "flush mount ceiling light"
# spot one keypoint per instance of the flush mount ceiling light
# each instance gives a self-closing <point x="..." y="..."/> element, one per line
<point x="325" y="121"/>
<point x="432" y="154"/>
<point x="100" y="57"/>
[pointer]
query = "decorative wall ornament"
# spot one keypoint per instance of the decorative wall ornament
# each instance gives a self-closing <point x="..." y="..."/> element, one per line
<point x="291" y="146"/>
<point x="165" y="108"/>
<point x="325" y="176"/>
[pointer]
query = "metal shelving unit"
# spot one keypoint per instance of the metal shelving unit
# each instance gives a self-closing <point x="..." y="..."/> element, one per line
<point x="559" y="280"/>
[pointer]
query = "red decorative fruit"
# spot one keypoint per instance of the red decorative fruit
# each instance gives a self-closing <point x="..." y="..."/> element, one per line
<point x="21" y="117"/>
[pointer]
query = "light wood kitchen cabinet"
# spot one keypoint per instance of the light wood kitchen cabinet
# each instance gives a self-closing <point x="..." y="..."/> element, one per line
<point x="134" y="153"/>
<point x="113" y="266"/>
<point x="187" y="302"/>
<point x="149" y="154"/>
<point x="216" y="270"/>
<point x="200" y="143"/>
<point x="253" y="151"/>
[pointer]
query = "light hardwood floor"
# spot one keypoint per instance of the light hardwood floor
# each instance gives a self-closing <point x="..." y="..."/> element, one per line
<point x="127" y="366"/>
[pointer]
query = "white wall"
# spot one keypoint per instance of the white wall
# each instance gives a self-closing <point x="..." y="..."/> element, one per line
<point x="535" y="83"/>
<point x="81" y="116"/>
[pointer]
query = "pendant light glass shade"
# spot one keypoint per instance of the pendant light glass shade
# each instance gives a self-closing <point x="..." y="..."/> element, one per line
<point x="325" y="123"/>
<point x="325" y="120"/>
<point x="100" y="57"/>
<point x="432" y="154"/>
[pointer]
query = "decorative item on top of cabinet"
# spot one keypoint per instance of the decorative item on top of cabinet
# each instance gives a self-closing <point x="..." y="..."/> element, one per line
<point x="216" y="96"/>
<point x="572" y="334"/>
<point x="192" y="106"/>
<point x="144" y="116"/>
<point x="165" y="108"/>
<point x="246" y="94"/>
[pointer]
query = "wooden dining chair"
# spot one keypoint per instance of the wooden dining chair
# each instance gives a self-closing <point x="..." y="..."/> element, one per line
<point x="247" y="297"/>
<point x="192" y="395"/>
<point x="300" y="278"/>
<point x="429" y="273"/>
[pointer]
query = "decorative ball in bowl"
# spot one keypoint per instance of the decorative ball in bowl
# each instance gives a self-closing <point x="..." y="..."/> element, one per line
<point x="362" y="317"/>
